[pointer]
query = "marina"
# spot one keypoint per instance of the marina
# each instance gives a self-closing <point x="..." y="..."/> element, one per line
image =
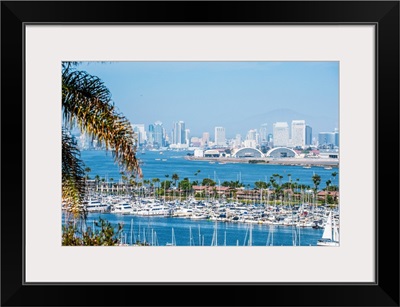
<point x="161" y="231"/>
<point x="249" y="214"/>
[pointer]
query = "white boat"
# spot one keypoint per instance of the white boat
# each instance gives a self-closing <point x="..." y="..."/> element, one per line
<point x="328" y="167"/>
<point x="153" y="210"/>
<point x="330" y="237"/>
<point x="95" y="205"/>
<point x="122" y="208"/>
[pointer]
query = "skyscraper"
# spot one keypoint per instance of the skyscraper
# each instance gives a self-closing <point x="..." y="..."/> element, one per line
<point x="298" y="133"/>
<point x="281" y="134"/>
<point x="336" y="137"/>
<point x="178" y="133"/>
<point x="308" y="135"/>
<point x="263" y="134"/>
<point x="205" y="140"/>
<point x="326" y="139"/>
<point x="159" y="139"/>
<point x="220" y="139"/>
<point x="150" y="134"/>
<point x="140" y="132"/>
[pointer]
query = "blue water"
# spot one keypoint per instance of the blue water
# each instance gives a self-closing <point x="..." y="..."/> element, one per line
<point x="157" y="231"/>
<point x="102" y="163"/>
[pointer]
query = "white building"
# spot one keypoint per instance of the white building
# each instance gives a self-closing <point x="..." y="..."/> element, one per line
<point x="205" y="140"/>
<point x="220" y="139"/>
<point x="250" y="143"/>
<point x="198" y="153"/>
<point x="237" y="143"/>
<point x="252" y="135"/>
<point x="179" y="134"/>
<point x="298" y="133"/>
<point x="141" y="132"/>
<point x="281" y="134"/>
<point x="263" y="134"/>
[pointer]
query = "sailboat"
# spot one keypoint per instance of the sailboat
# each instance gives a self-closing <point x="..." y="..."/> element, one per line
<point x="330" y="236"/>
<point x="173" y="241"/>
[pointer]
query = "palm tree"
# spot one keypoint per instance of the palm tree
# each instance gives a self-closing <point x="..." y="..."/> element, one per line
<point x="156" y="182"/>
<point x="334" y="175"/>
<point x="87" y="105"/>
<point x="317" y="180"/>
<point x="87" y="171"/>
<point x="175" y="178"/>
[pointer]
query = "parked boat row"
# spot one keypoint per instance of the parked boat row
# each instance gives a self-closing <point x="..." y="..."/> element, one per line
<point x="301" y="215"/>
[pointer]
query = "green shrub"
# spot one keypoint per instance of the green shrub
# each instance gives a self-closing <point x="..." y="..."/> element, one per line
<point x="104" y="236"/>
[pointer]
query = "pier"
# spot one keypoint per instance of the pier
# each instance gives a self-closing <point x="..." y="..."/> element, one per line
<point x="275" y="161"/>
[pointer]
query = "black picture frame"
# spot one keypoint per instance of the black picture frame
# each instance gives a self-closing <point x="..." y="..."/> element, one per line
<point x="383" y="14"/>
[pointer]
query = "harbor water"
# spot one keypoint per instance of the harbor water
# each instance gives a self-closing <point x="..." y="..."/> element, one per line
<point x="158" y="164"/>
<point x="180" y="231"/>
<point x="161" y="231"/>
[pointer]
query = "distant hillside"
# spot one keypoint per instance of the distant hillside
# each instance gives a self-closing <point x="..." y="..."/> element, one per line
<point x="323" y="123"/>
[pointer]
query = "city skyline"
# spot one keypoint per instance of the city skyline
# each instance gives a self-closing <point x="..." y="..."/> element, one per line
<point x="235" y="95"/>
<point x="267" y="126"/>
<point x="296" y="133"/>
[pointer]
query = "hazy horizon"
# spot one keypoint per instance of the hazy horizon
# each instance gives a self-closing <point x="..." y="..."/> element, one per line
<point x="238" y="96"/>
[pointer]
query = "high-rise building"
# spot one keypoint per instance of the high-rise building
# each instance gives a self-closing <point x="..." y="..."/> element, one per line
<point x="326" y="139"/>
<point x="150" y="134"/>
<point x="336" y="137"/>
<point x="220" y="139"/>
<point x="281" y="134"/>
<point x="178" y="133"/>
<point x="187" y="136"/>
<point x="140" y="132"/>
<point x="238" y="141"/>
<point x="263" y="134"/>
<point x="298" y="133"/>
<point x="205" y="140"/>
<point x="159" y="134"/>
<point x="309" y="140"/>
<point x="252" y="135"/>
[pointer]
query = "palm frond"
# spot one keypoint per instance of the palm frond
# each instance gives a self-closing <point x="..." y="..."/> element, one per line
<point x="73" y="183"/>
<point x="87" y="103"/>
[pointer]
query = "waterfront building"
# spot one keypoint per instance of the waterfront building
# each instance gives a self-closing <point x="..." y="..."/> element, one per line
<point x="329" y="153"/>
<point x="298" y="133"/>
<point x="326" y="139"/>
<point x="219" y="136"/>
<point x="281" y="134"/>
<point x="247" y="152"/>
<point x="281" y="152"/>
<point x="212" y="153"/>
<point x="199" y="153"/>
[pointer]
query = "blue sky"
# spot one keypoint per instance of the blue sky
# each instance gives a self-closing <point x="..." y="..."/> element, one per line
<point x="236" y="95"/>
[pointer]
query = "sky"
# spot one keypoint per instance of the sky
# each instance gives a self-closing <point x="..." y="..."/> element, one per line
<point x="239" y="96"/>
